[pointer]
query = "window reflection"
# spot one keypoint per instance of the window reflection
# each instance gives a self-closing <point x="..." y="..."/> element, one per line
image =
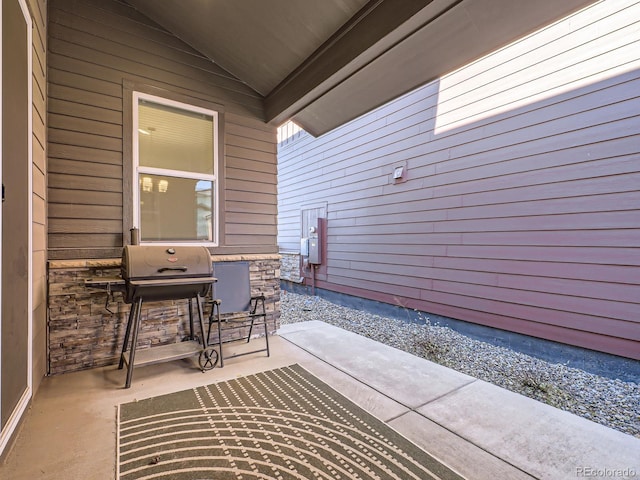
<point x="174" y="208"/>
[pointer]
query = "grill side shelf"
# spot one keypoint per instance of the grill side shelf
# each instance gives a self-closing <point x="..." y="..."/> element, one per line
<point x="109" y="284"/>
<point x="105" y="283"/>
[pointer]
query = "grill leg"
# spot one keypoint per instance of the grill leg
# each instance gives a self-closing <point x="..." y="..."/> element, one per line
<point x="266" y="335"/>
<point x="200" y="319"/>
<point x="219" y="335"/>
<point x="126" y="336"/>
<point x="191" y="334"/>
<point x="134" y="341"/>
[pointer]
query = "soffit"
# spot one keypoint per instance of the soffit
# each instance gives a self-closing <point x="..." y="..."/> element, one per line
<point x="325" y="62"/>
<point x="258" y="41"/>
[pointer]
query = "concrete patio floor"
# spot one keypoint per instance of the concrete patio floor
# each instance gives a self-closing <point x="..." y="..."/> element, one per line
<point x="480" y="430"/>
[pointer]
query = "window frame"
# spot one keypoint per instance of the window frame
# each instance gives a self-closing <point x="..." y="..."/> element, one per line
<point x="137" y="170"/>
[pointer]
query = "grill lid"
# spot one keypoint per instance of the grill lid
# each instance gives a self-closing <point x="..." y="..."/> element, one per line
<point x="155" y="262"/>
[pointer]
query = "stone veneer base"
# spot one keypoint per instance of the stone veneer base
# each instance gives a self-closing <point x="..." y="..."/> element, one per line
<point x="83" y="334"/>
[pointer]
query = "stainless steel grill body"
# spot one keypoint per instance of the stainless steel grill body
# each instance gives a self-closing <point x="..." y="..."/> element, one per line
<point x="154" y="272"/>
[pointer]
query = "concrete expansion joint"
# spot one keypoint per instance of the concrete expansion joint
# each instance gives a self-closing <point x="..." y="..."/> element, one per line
<point x="450" y="392"/>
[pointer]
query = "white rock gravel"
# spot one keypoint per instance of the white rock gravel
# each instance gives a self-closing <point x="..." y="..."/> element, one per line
<point x="613" y="403"/>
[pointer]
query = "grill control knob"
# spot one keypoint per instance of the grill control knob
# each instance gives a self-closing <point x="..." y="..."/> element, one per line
<point x="171" y="251"/>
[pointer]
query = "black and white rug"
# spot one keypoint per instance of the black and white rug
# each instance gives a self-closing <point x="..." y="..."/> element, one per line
<point x="280" y="424"/>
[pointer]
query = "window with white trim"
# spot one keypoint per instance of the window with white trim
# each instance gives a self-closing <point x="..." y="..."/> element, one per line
<point x="175" y="171"/>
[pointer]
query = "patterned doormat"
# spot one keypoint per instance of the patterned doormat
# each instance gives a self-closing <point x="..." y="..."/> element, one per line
<point x="280" y="424"/>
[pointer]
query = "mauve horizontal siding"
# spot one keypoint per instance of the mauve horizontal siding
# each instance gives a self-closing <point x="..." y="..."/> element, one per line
<point x="93" y="47"/>
<point x="519" y="207"/>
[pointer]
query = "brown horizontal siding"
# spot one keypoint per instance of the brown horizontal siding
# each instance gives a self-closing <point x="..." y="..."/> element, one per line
<point x="93" y="48"/>
<point x="250" y="184"/>
<point x="84" y="97"/>
<point x="69" y="108"/>
<point x="64" y="197"/>
<point x="85" y="183"/>
<point x="64" y="78"/>
<point x="84" y="225"/>
<point x="519" y="204"/>
<point x="250" y="218"/>
<point x="253" y="208"/>
<point x="110" y="243"/>
<point x="75" y="152"/>
<point x="79" y="167"/>
<point x="252" y="133"/>
<point x="84" y="125"/>
<point x="86" y="211"/>
<point x="245" y="167"/>
<point x="82" y="139"/>
<point x="256" y="242"/>
<point x="241" y="197"/>
<point x="250" y="143"/>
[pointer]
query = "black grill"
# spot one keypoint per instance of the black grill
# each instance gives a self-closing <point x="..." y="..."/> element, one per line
<point x="156" y="273"/>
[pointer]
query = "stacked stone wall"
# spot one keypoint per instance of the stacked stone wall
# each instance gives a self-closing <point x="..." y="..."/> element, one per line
<point x="290" y="267"/>
<point x="86" y="331"/>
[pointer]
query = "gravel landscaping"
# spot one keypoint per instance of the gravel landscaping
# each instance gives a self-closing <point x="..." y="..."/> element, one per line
<point x="613" y="403"/>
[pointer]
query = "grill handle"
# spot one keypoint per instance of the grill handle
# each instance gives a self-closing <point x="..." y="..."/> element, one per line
<point x="172" y="269"/>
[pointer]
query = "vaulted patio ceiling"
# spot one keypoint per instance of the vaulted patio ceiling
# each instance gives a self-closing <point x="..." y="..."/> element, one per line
<point x="322" y="63"/>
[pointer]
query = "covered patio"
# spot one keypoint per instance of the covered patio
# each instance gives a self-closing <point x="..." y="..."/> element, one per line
<point x="479" y="430"/>
<point x="96" y="65"/>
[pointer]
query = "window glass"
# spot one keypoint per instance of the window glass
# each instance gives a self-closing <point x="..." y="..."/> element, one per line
<point x="174" y="139"/>
<point x="174" y="208"/>
<point x="175" y="172"/>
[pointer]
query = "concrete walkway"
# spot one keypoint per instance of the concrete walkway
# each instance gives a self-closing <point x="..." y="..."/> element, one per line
<point x="482" y="430"/>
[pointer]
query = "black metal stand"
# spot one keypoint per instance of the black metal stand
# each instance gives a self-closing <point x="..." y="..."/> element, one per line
<point x="240" y="320"/>
<point x="208" y="356"/>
